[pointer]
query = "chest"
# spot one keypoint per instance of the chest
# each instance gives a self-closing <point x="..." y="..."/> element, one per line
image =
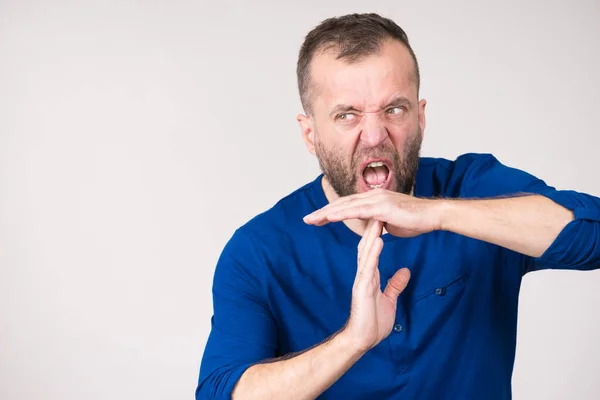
<point x="451" y="277"/>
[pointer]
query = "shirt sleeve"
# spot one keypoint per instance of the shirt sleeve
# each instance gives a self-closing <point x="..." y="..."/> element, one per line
<point x="576" y="247"/>
<point x="243" y="330"/>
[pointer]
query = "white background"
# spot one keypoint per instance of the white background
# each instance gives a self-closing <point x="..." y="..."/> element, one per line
<point x="136" y="136"/>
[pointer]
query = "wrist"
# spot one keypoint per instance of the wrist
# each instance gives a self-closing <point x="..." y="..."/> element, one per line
<point x="348" y="344"/>
<point x="444" y="212"/>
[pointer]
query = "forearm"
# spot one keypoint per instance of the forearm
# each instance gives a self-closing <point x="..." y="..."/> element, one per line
<point x="527" y="224"/>
<point x="304" y="376"/>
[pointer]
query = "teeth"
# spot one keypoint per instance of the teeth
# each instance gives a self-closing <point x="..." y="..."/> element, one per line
<point x="375" y="186"/>
<point x="376" y="164"/>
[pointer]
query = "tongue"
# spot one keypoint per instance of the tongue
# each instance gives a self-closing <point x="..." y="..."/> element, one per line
<point x="375" y="175"/>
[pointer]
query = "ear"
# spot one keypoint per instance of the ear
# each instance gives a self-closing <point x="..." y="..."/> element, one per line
<point x="308" y="132"/>
<point x="422" y="121"/>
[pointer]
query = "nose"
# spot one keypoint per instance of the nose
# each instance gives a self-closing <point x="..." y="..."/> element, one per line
<point x="374" y="131"/>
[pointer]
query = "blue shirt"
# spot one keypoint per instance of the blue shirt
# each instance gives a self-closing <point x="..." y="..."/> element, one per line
<point x="282" y="286"/>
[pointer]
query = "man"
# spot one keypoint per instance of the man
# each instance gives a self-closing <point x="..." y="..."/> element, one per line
<point x="390" y="276"/>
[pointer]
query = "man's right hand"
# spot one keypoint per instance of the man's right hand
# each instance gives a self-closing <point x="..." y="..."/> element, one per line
<point x="308" y="374"/>
<point x="373" y="312"/>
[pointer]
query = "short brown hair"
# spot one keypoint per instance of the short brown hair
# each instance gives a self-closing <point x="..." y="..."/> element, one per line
<point x="354" y="36"/>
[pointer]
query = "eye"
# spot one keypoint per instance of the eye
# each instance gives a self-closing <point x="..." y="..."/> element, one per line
<point x="395" y="110"/>
<point x="346" y="117"/>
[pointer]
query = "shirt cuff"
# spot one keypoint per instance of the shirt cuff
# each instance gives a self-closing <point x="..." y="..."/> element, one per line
<point x="222" y="389"/>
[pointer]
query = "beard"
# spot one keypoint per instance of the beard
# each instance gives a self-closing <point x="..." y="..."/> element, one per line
<point x="343" y="177"/>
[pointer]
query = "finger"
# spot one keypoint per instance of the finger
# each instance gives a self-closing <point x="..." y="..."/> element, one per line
<point x="359" y="209"/>
<point x="369" y="235"/>
<point x="372" y="248"/>
<point x="364" y="245"/>
<point x="371" y="261"/>
<point x="320" y="214"/>
<point x="397" y="284"/>
<point x="361" y="243"/>
<point x="378" y="226"/>
<point x="356" y="211"/>
<point x="373" y="232"/>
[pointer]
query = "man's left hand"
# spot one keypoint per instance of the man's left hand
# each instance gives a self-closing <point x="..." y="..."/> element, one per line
<point x="402" y="215"/>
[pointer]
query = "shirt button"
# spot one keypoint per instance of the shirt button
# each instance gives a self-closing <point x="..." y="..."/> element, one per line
<point x="440" y="291"/>
<point x="398" y="328"/>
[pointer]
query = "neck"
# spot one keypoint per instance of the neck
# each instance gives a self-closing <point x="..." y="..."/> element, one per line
<point x="355" y="225"/>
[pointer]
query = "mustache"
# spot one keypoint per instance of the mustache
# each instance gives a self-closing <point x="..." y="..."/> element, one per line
<point x="388" y="152"/>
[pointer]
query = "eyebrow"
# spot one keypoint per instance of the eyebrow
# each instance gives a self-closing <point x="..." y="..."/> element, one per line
<point x="399" y="101"/>
<point x="395" y="102"/>
<point x="341" y="108"/>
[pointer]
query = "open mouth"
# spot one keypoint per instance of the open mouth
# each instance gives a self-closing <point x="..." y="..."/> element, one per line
<point x="376" y="174"/>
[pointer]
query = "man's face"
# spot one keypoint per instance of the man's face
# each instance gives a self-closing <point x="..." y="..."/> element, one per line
<point x="367" y="124"/>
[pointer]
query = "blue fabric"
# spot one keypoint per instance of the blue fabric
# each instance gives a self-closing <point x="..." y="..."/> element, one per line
<point x="282" y="286"/>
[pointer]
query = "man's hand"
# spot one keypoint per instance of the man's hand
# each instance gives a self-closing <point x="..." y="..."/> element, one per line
<point x="525" y="224"/>
<point x="373" y="312"/>
<point x="372" y="316"/>
<point x="402" y="215"/>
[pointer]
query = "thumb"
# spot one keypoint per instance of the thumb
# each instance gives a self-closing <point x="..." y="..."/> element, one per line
<point x="397" y="284"/>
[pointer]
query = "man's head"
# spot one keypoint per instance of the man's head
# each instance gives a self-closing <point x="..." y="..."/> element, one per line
<point x="359" y="85"/>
